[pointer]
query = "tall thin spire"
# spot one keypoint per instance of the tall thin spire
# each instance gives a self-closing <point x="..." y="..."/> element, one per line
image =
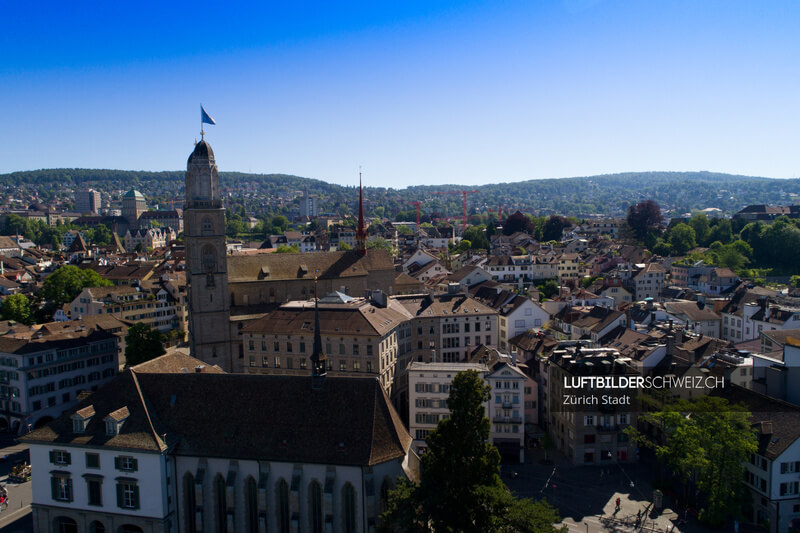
<point x="318" y="359"/>
<point x="361" y="232"/>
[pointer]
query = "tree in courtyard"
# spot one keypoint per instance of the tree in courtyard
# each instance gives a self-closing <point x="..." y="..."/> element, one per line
<point x="63" y="285"/>
<point x="645" y="217"/>
<point x="17" y="307"/>
<point x="285" y="249"/>
<point x="461" y="489"/>
<point x="707" y="440"/>
<point x="380" y="243"/>
<point x="142" y="343"/>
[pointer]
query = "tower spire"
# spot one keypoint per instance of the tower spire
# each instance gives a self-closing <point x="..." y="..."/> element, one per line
<point x="361" y="232"/>
<point x="318" y="359"/>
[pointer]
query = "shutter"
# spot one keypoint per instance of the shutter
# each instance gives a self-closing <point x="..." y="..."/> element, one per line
<point x="136" y="496"/>
<point x="134" y="464"/>
<point x="52" y="457"/>
<point x="69" y="458"/>
<point x="69" y="489"/>
<point x="54" y="486"/>
<point x="119" y="495"/>
<point x="117" y="463"/>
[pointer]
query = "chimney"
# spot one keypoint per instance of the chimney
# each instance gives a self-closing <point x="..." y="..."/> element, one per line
<point x="199" y="369"/>
<point x="767" y="312"/>
<point x="514" y="356"/>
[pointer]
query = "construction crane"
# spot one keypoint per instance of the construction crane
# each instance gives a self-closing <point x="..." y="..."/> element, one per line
<point x="464" y="195"/>
<point x="417" y="203"/>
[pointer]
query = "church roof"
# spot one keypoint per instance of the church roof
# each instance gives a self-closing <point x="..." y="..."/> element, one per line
<point x="331" y="265"/>
<point x="348" y="421"/>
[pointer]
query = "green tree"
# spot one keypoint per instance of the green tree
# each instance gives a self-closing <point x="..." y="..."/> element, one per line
<point x="461" y="490"/>
<point x="63" y="285"/>
<point x="548" y="289"/>
<point x="516" y="222"/>
<point x="707" y="440"/>
<point x="142" y="343"/>
<point x="280" y="223"/>
<point x="102" y="235"/>
<point x="463" y="246"/>
<point x="17" y="307"/>
<point x="380" y="243"/>
<point x="284" y="249"/>
<point x="702" y="228"/>
<point x="476" y="235"/>
<point x="554" y="227"/>
<point x="682" y="238"/>
<point x="344" y="247"/>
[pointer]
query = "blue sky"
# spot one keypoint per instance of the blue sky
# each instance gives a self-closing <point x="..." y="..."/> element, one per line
<point x="415" y="92"/>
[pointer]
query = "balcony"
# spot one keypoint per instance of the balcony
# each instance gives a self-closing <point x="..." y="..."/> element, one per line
<point x="507" y="405"/>
<point x="605" y="428"/>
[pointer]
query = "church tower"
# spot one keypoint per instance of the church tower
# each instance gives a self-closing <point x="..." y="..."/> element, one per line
<point x="206" y="264"/>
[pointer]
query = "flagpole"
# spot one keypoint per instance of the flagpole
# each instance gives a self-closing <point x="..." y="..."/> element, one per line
<point x="202" y="133"/>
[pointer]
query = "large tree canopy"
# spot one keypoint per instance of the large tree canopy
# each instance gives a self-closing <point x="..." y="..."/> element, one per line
<point x="645" y="217"/>
<point x="63" y="285"/>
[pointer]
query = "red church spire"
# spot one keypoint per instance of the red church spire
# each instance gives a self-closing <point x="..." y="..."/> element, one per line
<point x="361" y="232"/>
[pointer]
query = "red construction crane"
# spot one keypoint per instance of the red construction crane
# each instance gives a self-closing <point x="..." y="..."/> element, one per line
<point x="464" y="194"/>
<point x="416" y="204"/>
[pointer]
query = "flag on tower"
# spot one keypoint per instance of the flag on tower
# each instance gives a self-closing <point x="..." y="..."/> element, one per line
<point x="205" y="118"/>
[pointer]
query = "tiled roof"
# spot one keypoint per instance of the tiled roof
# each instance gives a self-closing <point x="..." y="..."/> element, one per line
<point x="331" y="265"/>
<point x="175" y="361"/>
<point x="349" y="421"/>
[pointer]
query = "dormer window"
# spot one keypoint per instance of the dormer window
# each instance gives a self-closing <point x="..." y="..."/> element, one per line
<point x="81" y="419"/>
<point x="115" y="420"/>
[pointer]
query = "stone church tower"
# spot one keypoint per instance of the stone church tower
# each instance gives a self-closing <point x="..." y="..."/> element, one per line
<point x="206" y="262"/>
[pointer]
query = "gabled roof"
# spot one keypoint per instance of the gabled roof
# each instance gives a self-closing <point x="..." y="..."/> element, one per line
<point x="331" y="265"/>
<point x="348" y="421"/>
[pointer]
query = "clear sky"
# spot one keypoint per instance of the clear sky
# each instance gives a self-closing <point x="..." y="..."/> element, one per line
<point x="418" y="92"/>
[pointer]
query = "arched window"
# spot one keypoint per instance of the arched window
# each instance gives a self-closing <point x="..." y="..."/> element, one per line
<point x="282" y="500"/>
<point x="316" y="520"/>
<point x="220" y="505"/>
<point x="251" y="505"/>
<point x="62" y="524"/>
<point x="189" y="503"/>
<point x="349" y="508"/>
<point x="209" y="258"/>
<point x="97" y="527"/>
<point x="128" y="528"/>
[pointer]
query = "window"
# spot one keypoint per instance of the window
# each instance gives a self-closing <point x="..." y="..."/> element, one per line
<point x="61" y="487"/>
<point x="94" y="485"/>
<point x="277" y="361"/>
<point x="252" y="360"/>
<point x="302" y="347"/>
<point x="126" y="463"/>
<point x="92" y="460"/>
<point x="289" y="362"/>
<point x="369" y="349"/>
<point x="127" y="494"/>
<point x="251" y="505"/>
<point x="264" y="362"/>
<point x="315" y="517"/>
<point x="289" y="347"/>
<point x="220" y="505"/>
<point x="342" y="365"/>
<point x="190" y="503"/>
<point x="60" y="457"/>
<point x="356" y="366"/>
<point x="790" y="468"/>
<point x="349" y="507"/>
<point x="369" y="366"/>
<point x="282" y="496"/>
<point x="588" y="420"/>
<point x="341" y="349"/>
